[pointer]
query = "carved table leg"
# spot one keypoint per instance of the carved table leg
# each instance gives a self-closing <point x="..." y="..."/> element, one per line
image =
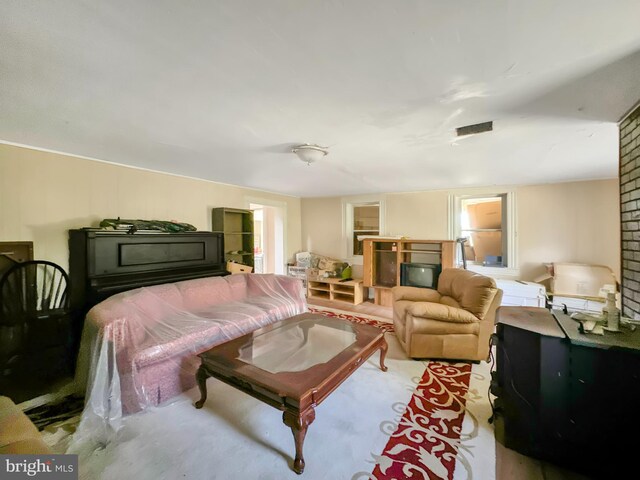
<point x="383" y="353"/>
<point x="299" y="424"/>
<point x="201" y="377"/>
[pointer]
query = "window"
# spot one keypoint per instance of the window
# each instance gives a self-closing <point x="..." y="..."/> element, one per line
<point x="486" y="222"/>
<point x="366" y="221"/>
<point x="362" y="216"/>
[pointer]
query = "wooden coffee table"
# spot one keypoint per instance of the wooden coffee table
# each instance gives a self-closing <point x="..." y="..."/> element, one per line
<point x="293" y="365"/>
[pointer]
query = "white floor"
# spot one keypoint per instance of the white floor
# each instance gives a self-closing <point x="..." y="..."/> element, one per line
<point x="237" y="437"/>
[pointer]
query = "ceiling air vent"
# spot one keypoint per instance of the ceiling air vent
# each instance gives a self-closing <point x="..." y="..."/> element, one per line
<point x="476" y="128"/>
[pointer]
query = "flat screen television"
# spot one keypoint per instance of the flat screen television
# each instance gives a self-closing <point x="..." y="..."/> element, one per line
<point x="423" y="275"/>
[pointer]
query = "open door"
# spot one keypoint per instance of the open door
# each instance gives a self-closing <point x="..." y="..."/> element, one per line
<point x="269" y="245"/>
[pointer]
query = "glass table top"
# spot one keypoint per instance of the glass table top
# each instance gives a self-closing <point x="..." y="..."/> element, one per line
<point x="298" y="346"/>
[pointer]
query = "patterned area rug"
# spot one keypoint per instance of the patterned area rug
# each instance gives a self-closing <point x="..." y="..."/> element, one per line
<point x="418" y="420"/>
<point x="384" y="326"/>
<point x="428" y="441"/>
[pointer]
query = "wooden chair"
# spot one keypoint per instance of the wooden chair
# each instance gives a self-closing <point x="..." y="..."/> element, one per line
<point x="36" y="337"/>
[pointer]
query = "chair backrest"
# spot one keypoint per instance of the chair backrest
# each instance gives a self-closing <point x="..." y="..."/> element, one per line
<point x="472" y="291"/>
<point x="31" y="289"/>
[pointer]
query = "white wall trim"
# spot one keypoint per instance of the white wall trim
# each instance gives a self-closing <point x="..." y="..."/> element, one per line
<point x="512" y="228"/>
<point x="347" y="223"/>
<point x="283" y="206"/>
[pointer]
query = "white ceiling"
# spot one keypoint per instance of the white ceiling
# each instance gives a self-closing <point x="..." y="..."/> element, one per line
<point x="222" y="89"/>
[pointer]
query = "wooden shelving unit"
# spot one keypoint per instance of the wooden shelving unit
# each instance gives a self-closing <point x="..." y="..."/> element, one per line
<point x="383" y="257"/>
<point x="237" y="227"/>
<point x="351" y="291"/>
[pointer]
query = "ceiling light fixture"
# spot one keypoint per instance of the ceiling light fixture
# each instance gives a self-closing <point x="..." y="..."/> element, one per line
<point x="309" y="153"/>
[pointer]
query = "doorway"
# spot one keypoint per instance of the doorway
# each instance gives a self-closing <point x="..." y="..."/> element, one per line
<point x="269" y="238"/>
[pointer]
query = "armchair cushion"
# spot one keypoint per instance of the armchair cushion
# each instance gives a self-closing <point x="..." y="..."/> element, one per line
<point x="442" y="313"/>
<point x="454" y="322"/>
<point x="473" y="292"/>
<point x="400" y="308"/>
<point x="415" y="294"/>
<point x="17" y="433"/>
<point x="427" y="326"/>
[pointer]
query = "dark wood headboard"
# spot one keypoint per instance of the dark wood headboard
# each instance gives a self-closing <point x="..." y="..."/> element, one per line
<point x="102" y="262"/>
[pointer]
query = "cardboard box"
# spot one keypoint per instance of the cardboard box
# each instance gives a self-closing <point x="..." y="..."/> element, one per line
<point x="485" y="214"/>
<point x="486" y="243"/>
<point x="469" y="252"/>
<point x="577" y="279"/>
<point x="299" y="272"/>
<point x="234" y="267"/>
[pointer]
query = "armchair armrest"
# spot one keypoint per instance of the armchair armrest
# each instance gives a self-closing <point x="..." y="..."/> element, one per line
<point x="415" y="294"/>
<point x="442" y="313"/>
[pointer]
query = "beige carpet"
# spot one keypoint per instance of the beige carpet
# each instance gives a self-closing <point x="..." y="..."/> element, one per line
<point x="237" y="437"/>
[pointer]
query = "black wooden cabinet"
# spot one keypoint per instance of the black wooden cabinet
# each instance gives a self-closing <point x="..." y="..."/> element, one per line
<point x="564" y="396"/>
<point x="102" y="263"/>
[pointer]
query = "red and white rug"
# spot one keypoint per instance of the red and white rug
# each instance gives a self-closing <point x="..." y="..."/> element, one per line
<point x="418" y="420"/>
<point x="428" y="441"/>
<point x="385" y="325"/>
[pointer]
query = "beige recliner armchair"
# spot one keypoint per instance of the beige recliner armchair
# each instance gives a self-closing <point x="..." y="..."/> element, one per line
<point x="453" y="322"/>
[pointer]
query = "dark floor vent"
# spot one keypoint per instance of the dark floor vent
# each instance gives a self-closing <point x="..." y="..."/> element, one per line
<point x="476" y="128"/>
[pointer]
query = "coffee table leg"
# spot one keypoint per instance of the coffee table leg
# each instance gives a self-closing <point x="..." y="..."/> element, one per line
<point x="299" y="424"/>
<point x="201" y="377"/>
<point x="383" y="353"/>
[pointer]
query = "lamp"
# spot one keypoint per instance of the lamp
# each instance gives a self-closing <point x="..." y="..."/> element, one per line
<point x="309" y="153"/>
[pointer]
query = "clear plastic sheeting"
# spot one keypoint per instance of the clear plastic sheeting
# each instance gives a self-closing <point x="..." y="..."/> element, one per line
<point x="139" y="348"/>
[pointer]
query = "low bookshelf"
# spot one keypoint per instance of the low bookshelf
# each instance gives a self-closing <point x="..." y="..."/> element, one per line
<point x="333" y="289"/>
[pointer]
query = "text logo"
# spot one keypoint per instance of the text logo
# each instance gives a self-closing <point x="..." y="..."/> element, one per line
<point x="46" y="467"/>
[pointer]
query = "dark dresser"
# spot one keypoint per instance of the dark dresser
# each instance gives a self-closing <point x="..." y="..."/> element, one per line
<point x="564" y="396"/>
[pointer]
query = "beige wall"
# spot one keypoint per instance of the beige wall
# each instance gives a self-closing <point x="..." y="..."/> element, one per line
<point x="565" y="222"/>
<point x="43" y="195"/>
<point x="322" y="226"/>
<point x="569" y="222"/>
<point x="417" y="215"/>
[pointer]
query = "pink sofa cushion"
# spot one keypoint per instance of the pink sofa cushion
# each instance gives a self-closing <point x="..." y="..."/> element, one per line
<point x="238" y="286"/>
<point x="148" y="338"/>
<point x="204" y="292"/>
<point x="239" y="319"/>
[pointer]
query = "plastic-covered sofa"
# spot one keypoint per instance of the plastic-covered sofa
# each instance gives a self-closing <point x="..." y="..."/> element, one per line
<point x="139" y="348"/>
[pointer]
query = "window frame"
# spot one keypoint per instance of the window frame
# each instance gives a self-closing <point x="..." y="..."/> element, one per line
<point x="455" y="231"/>
<point x="348" y="223"/>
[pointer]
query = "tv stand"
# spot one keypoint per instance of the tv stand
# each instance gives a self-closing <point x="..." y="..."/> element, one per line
<point x="383" y="257"/>
<point x="564" y="396"/>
